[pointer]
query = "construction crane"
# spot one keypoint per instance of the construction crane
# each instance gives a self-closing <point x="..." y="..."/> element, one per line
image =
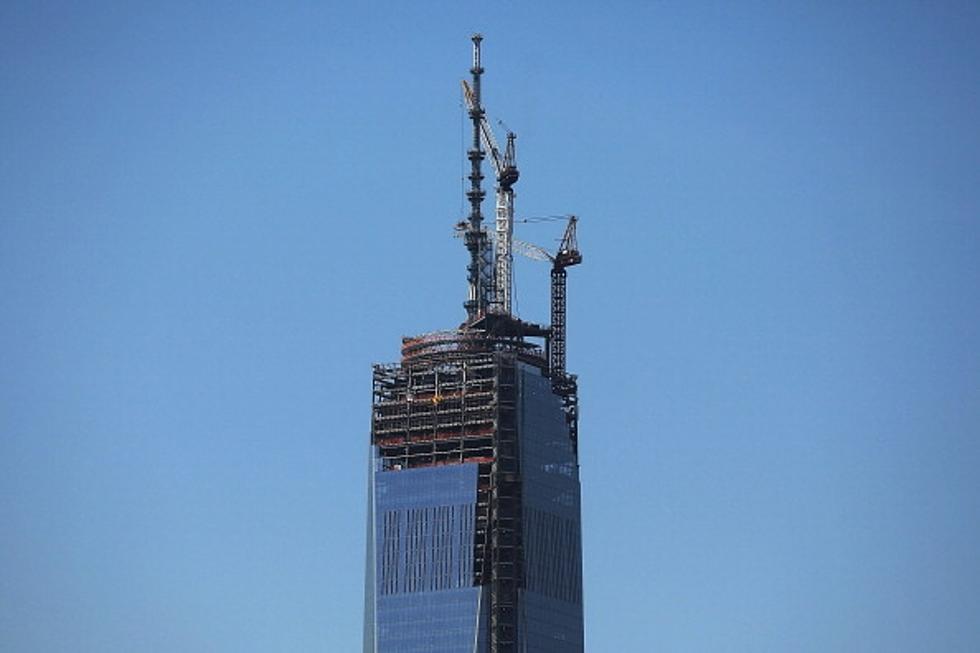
<point x="567" y="255"/>
<point x="504" y="164"/>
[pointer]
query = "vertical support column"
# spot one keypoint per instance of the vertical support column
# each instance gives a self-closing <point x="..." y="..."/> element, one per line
<point x="506" y="532"/>
<point x="503" y="274"/>
<point x="481" y="541"/>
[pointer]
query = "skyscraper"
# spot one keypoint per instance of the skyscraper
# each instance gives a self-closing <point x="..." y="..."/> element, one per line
<point x="474" y="517"/>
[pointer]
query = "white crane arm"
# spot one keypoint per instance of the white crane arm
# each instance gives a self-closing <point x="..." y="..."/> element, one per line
<point x="486" y="134"/>
<point x="532" y="251"/>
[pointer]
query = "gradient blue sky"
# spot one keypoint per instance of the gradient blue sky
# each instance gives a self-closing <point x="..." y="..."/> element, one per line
<point x="214" y="217"/>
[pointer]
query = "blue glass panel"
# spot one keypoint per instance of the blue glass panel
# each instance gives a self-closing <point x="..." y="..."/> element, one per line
<point x="551" y="602"/>
<point x="433" y="622"/>
<point x="551" y="625"/>
<point x="423" y="542"/>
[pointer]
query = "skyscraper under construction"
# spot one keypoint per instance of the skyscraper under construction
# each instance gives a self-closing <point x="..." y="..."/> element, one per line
<point x="474" y="518"/>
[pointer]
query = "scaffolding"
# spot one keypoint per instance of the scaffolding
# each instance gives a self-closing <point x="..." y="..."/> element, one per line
<point x="461" y="407"/>
<point x="434" y="414"/>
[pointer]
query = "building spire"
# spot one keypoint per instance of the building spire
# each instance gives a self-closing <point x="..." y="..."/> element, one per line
<point x="475" y="238"/>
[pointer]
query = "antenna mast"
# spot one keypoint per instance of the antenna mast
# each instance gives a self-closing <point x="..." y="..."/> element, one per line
<point x="479" y="271"/>
<point x="505" y="165"/>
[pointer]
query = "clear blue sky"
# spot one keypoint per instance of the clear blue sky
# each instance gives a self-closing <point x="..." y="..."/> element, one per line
<point x="214" y="217"/>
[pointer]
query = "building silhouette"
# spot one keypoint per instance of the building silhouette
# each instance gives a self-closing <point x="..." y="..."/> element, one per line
<point x="474" y="517"/>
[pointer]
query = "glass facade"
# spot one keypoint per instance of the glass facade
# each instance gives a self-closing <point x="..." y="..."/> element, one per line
<point x="551" y="599"/>
<point x="421" y="591"/>
<point x="420" y="576"/>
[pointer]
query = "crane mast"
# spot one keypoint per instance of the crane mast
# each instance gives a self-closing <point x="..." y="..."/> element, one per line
<point x="507" y="174"/>
<point x="568" y="255"/>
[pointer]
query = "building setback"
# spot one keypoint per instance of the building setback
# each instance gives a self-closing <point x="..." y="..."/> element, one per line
<point x="474" y="516"/>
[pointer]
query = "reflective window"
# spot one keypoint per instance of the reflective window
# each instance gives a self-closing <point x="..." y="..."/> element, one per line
<point x="423" y="535"/>
<point x="552" y="598"/>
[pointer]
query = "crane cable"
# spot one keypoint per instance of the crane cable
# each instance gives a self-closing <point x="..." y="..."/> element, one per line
<point x="533" y="219"/>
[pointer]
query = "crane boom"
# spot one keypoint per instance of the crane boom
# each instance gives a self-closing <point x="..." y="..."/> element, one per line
<point x="532" y="251"/>
<point x="507" y="174"/>
<point x="485" y="132"/>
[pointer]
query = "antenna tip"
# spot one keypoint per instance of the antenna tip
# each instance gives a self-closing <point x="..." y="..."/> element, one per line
<point x="477" y="37"/>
